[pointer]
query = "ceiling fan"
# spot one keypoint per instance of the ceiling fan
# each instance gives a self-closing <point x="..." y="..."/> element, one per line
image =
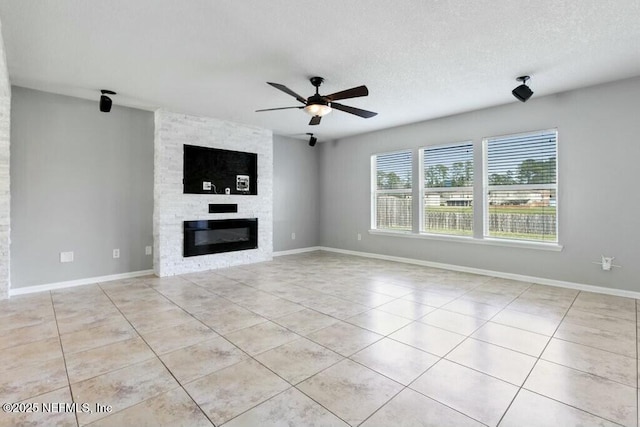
<point x="319" y="105"/>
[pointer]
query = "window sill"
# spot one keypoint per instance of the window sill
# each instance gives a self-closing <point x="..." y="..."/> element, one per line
<point x="463" y="239"/>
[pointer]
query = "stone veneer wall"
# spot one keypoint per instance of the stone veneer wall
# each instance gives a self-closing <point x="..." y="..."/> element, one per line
<point x="5" y="196"/>
<point x="171" y="207"/>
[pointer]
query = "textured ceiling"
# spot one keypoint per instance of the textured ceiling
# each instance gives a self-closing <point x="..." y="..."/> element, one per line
<point x="420" y="59"/>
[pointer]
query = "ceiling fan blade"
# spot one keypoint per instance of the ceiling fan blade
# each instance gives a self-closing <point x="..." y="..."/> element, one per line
<point x="315" y="120"/>
<point x="354" y="92"/>
<point x="280" y="108"/>
<point x="288" y="91"/>
<point x="352" y="110"/>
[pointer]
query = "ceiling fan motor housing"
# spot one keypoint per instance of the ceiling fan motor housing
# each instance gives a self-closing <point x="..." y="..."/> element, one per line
<point x="317" y="100"/>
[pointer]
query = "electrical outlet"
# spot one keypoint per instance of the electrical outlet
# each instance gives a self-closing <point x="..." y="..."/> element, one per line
<point x="116" y="253"/>
<point x="147" y="250"/>
<point x="66" y="256"/>
<point x="359" y="236"/>
<point x="293" y="236"/>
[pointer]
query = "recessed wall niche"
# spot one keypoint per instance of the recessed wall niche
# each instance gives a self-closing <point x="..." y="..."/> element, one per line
<point x="215" y="171"/>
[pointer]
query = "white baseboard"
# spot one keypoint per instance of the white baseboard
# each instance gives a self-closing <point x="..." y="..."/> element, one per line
<point x="452" y="267"/>
<point x="297" y="251"/>
<point x="79" y="282"/>
<point x="500" y="274"/>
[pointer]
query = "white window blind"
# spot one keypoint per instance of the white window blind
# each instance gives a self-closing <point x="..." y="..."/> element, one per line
<point x="521" y="186"/>
<point x="448" y="189"/>
<point x="391" y="183"/>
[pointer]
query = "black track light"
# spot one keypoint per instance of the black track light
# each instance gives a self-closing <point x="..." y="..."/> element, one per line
<point x="522" y="92"/>
<point x="312" y="140"/>
<point x="105" y="101"/>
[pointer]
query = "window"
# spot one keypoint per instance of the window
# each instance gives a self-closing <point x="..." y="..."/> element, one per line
<point x="521" y="186"/>
<point x="448" y="189"/>
<point x="391" y="185"/>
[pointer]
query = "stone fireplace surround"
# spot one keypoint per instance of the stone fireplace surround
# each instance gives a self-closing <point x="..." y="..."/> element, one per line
<point x="171" y="207"/>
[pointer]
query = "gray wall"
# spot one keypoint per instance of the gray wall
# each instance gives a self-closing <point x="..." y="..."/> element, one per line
<point x="295" y="194"/>
<point x="599" y="206"/>
<point x="81" y="181"/>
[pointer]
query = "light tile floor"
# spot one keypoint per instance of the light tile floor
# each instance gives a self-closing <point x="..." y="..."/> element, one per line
<point x="320" y="339"/>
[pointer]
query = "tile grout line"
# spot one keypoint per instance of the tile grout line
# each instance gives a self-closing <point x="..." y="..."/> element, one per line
<point x="320" y="404"/>
<point x="468" y="336"/>
<point x="294" y="386"/>
<point x="130" y="324"/>
<point x="405" y="387"/>
<point x="591" y="347"/>
<point x="274" y="320"/>
<point x="538" y="358"/>
<point x="64" y="358"/>
<point x="551" y="337"/>
<point x="275" y="373"/>
<point x="440" y="357"/>
<point x="250" y="357"/>
<point x="161" y="361"/>
<point x="254" y="312"/>
<point x="599" y="417"/>
<point x="454" y="348"/>
<point x="548" y="341"/>
<point x="343" y="357"/>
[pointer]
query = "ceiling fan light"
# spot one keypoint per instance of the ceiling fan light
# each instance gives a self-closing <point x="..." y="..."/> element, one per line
<point x="317" y="109"/>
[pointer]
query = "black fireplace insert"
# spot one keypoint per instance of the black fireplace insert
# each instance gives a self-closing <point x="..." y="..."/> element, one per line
<point x="215" y="236"/>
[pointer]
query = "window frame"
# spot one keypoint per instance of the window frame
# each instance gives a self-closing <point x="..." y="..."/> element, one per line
<point x="375" y="191"/>
<point x="423" y="188"/>
<point x="486" y="188"/>
<point x="480" y="198"/>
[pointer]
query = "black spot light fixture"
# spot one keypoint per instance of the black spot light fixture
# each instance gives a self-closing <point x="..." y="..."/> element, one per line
<point x="105" y="101"/>
<point x="522" y="92"/>
<point x="312" y="140"/>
